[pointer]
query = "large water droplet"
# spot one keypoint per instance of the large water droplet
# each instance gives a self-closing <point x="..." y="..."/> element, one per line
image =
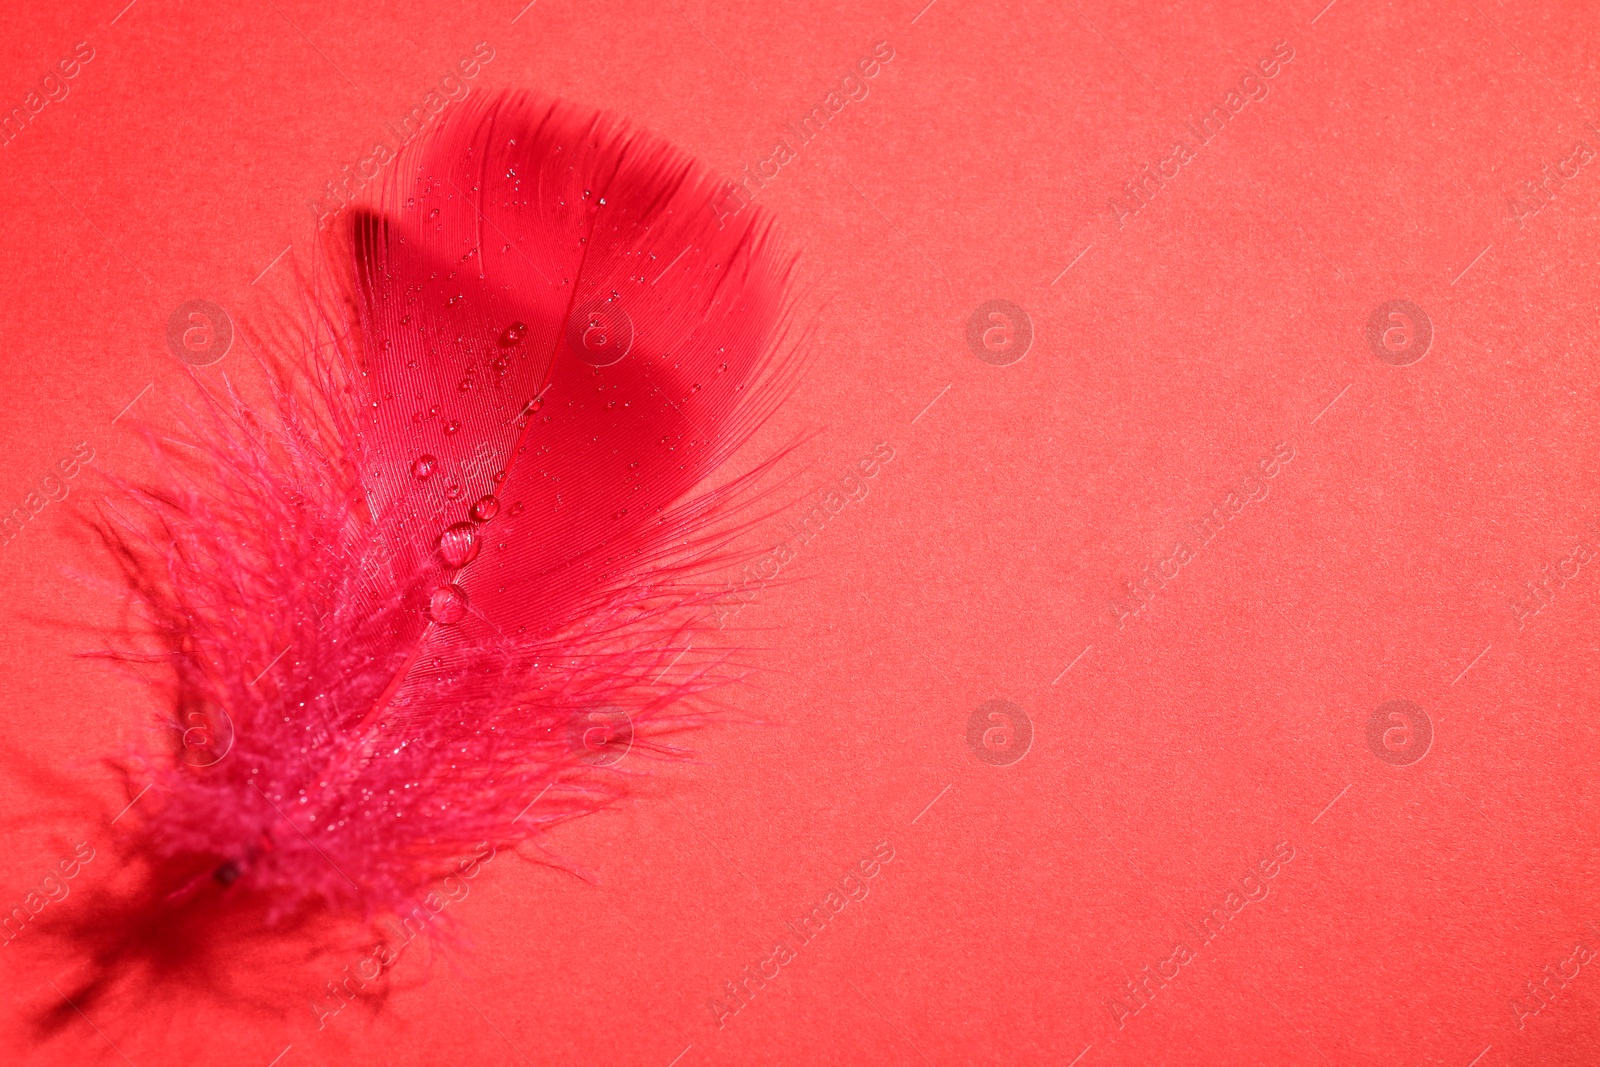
<point x="513" y="335"/>
<point x="447" y="605"/>
<point x="485" y="508"/>
<point x="423" y="467"/>
<point x="459" y="544"/>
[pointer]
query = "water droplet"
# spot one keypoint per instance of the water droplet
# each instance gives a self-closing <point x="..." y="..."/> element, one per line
<point x="434" y="213"/>
<point x="453" y="492"/>
<point x="498" y="477"/>
<point x="513" y="335"/>
<point x="485" y="508"/>
<point x="518" y="508"/>
<point x="619" y="514"/>
<point x="458" y="545"/>
<point x="447" y="605"/>
<point x="466" y="385"/>
<point x="423" y="466"/>
<point x="453" y="426"/>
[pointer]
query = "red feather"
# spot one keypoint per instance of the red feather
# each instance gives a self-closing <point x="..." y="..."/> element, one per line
<point x="408" y="603"/>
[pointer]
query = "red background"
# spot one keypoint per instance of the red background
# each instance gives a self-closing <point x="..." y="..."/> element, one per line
<point x="1180" y="748"/>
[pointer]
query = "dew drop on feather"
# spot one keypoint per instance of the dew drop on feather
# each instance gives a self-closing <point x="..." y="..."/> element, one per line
<point x="459" y="544"/>
<point x="447" y="605"/>
<point x="486" y="508"/>
<point x="512" y="335"/>
<point x="423" y="466"/>
<point x="452" y="426"/>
